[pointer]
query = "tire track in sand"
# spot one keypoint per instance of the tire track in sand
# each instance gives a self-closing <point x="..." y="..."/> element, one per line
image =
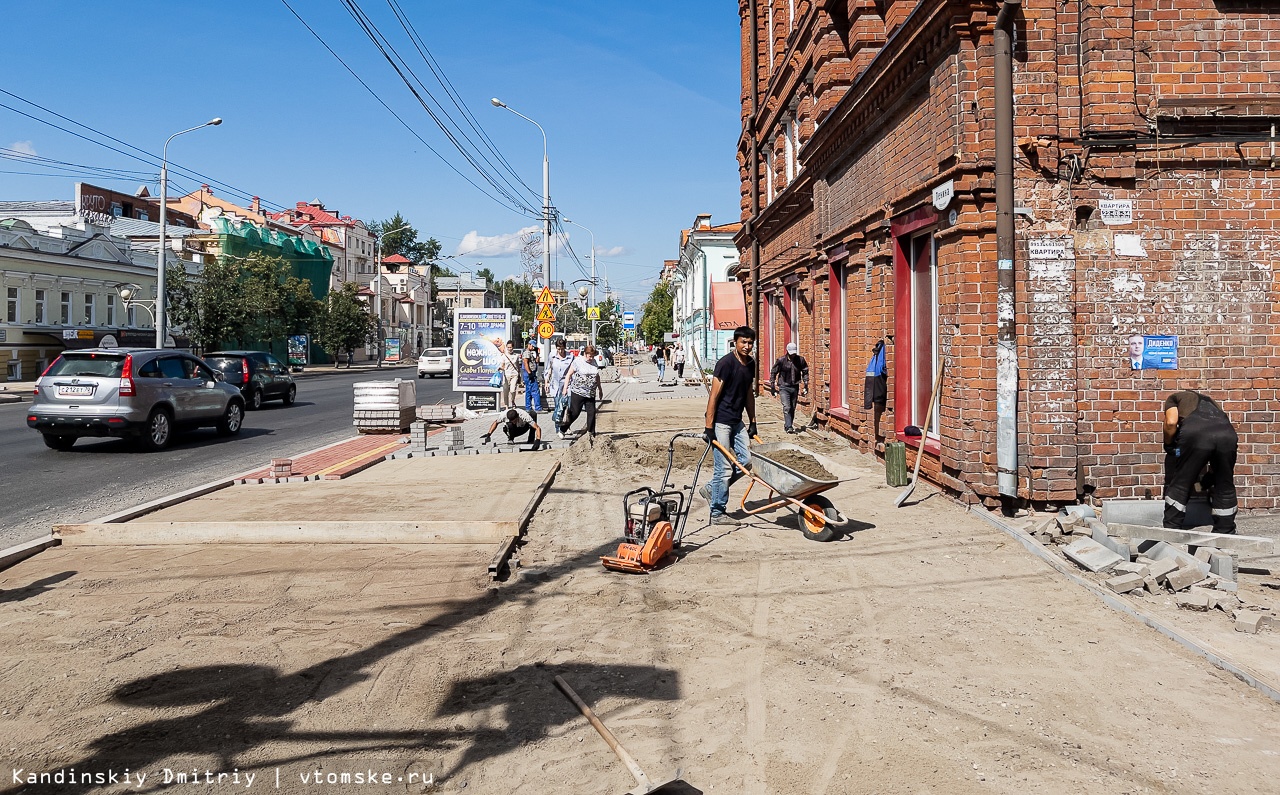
<point x="754" y="691"/>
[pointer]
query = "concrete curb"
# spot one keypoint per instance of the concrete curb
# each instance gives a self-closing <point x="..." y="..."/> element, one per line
<point x="10" y="398"/>
<point x="1110" y="600"/>
<point x="16" y="554"/>
<point x="508" y="545"/>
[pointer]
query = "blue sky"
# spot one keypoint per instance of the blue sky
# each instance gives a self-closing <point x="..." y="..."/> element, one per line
<point x="639" y="102"/>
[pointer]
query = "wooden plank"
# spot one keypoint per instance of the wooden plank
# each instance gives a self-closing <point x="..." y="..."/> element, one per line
<point x="318" y="532"/>
<point x="508" y="545"/>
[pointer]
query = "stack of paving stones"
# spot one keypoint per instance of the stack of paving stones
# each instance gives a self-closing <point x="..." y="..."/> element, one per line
<point x="281" y="468"/>
<point x="1148" y="561"/>
<point x="418" y="436"/>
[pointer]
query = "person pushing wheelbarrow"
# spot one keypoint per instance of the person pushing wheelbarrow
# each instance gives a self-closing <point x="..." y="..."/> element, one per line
<point x="731" y="393"/>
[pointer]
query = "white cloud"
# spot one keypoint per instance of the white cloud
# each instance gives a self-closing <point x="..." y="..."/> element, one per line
<point x="501" y="245"/>
<point x="23" y="148"/>
<point x="616" y="251"/>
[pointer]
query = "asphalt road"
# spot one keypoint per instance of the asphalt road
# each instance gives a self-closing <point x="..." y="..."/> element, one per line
<point x="40" y="487"/>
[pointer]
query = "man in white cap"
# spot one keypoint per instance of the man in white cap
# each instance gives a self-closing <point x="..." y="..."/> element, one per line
<point x="789" y="377"/>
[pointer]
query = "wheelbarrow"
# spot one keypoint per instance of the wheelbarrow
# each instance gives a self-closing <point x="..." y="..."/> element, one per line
<point x="818" y="517"/>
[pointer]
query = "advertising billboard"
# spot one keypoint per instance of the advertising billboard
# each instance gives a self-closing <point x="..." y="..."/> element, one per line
<point x="479" y="340"/>
<point x="392" y="349"/>
<point x="298" y="345"/>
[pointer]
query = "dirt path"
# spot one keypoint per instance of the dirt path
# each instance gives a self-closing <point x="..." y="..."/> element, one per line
<point x="924" y="653"/>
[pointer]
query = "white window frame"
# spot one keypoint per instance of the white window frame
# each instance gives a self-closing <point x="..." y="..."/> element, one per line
<point x="111" y="309"/>
<point x="795" y="143"/>
<point x="13" y="370"/>
<point x="131" y="315"/>
<point x="788" y="148"/>
<point x="13" y="305"/>
<point x="791" y="14"/>
<point x="90" y="310"/>
<point x="793" y="312"/>
<point x="770" y="39"/>
<point x="42" y="299"/>
<point x="65" y="303"/>
<point x="921" y="388"/>
<point x="842" y="312"/>
<point x="768" y="177"/>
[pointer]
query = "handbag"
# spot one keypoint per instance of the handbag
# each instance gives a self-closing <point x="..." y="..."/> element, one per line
<point x="495" y="381"/>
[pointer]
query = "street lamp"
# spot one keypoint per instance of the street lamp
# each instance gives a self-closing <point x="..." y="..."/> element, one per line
<point x="546" y="209"/>
<point x="593" y="273"/>
<point x="129" y="297"/>
<point x="377" y="282"/>
<point x="164" y="200"/>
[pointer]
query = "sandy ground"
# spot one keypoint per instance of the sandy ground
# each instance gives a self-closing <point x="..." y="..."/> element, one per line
<point x="925" y="652"/>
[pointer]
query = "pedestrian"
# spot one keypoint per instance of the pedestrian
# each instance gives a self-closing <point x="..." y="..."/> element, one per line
<point x="1197" y="433"/>
<point x="731" y="393"/>
<point x="582" y="382"/>
<point x="557" y="395"/>
<point x="518" y="423"/>
<point x="529" y="371"/>
<point x="510" y="375"/>
<point x="660" y="359"/>
<point x="789" y="376"/>
<point x="677" y="361"/>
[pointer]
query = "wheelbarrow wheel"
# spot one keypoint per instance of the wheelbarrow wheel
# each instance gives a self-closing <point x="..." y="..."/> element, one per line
<point x="816" y="529"/>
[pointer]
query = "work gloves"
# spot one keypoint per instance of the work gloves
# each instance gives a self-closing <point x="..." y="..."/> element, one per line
<point x="709" y="434"/>
<point x="485" y="439"/>
<point x="752" y="431"/>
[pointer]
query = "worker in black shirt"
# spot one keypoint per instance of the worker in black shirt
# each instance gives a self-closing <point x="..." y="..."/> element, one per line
<point x="731" y="392"/>
<point x="1197" y="433"/>
<point x="789" y="376"/>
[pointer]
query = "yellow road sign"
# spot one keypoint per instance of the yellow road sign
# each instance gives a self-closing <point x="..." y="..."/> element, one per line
<point x="546" y="313"/>
<point x="545" y="330"/>
<point x="593" y="313"/>
<point x="545" y="297"/>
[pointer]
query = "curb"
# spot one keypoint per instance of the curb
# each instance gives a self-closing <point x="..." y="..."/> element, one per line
<point x="1111" y="600"/>
<point x="16" y="554"/>
<point x="507" y="546"/>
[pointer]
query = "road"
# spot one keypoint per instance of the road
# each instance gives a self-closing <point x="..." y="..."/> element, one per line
<point x="40" y="487"/>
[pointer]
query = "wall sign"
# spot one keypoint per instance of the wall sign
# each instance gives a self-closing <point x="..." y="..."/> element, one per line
<point x="1051" y="248"/>
<point x="1153" y="352"/>
<point x="1116" y="212"/>
<point x="943" y="193"/>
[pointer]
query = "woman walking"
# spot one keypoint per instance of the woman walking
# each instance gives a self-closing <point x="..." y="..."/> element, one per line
<point x="510" y="376"/>
<point x="582" y="382"/>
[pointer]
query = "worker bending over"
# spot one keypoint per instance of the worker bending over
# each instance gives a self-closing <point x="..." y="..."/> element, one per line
<point x="519" y="422"/>
<point x="1197" y="433"/>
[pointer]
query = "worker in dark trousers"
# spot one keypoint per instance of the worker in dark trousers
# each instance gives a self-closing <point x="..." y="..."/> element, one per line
<point x="1197" y="434"/>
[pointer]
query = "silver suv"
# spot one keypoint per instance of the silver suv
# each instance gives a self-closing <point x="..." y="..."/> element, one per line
<point x="142" y="393"/>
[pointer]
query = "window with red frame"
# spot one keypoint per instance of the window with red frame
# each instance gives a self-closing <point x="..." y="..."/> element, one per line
<point x="916" y="327"/>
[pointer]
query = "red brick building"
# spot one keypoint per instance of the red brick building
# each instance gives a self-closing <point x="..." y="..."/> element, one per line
<point x="1142" y="200"/>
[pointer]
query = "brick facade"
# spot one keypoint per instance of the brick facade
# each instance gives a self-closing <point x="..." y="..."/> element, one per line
<point x="1165" y="104"/>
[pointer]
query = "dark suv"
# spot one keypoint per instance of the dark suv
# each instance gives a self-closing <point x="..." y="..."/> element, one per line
<point x="135" y="392"/>
<point x="259" y="376"/>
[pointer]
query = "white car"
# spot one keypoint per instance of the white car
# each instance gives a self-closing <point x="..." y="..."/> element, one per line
<point x="434" y="362"/>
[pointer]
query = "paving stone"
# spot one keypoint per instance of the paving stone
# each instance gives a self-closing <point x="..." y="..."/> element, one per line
<point x="1250" y="622"/>
<point x="1248" y="545"/>
<point x="1162" y="550"/>
<point x="1120" y="546"/>
<point x="1202" y="554"/>
<point x="1068" y="522"/>
<point x="1222" y="565"/>
<point x="1150" y="585"/>
<point x="1133" y="568"/>
<point x="1125" y="583"/>
<point x="1190" y="601"/>
<point x="1184" y="578"/>
<point x="1159" y="569"/>
<point x="1091" y="555"/>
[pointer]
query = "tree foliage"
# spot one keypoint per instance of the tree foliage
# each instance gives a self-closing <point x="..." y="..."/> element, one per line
<point x="398" y="236"/>
<point x="344" y="322"/>
<point x="656" y="319"/>
<point x="520" y="299"/>
<point x="241" y="300"/>
<point x="607" y="332"/>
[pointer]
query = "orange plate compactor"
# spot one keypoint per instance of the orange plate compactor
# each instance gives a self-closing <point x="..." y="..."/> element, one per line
<point x="655" y="519"/>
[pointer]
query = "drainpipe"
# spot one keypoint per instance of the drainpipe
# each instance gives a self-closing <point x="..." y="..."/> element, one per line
<point x="755" y="183"/>
<point x="1006" y="288"/>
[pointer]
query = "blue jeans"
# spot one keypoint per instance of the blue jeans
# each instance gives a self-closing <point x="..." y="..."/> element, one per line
<point x="532" y="399"/>
<point x="734" y="437"/>
<point x="662" y="369"/>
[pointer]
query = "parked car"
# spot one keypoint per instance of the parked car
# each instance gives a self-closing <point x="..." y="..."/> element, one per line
<point x="259" y="376"/>
<point x="435" y="361"/>
<point x="143" y="393"/>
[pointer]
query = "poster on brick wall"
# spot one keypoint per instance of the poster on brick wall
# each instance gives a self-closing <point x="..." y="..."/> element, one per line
<point x="1153" y="352"/>
<point x="1116" y="212"/>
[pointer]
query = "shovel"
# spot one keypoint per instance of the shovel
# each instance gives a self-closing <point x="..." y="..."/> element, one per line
<point x="674" y="786"/>
<point x="924" y="433"/>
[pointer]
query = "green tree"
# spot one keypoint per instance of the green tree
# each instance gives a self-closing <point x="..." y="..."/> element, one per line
<point x="607" y="332"/>
<point x="277" y="303"/>
<point x="344" y="322"/>
<point x="208" y="307"/>
<point x="519" y="298"/>
<point x="656" y="319"/>
<point x="487" y="275"/>
<point x="398" y="236"/>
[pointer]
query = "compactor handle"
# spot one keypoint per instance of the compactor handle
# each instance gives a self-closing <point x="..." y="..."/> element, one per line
<point x="636" y="772"/>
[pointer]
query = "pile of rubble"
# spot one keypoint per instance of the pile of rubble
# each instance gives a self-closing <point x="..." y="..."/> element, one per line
<point x="1199" y="569"/>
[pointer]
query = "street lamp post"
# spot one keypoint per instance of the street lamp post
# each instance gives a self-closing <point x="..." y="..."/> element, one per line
<point x="164" y="201"/>
<point x="377" y="283"/>
<point x="546" y="210"/>
<point x="593" y="274"/>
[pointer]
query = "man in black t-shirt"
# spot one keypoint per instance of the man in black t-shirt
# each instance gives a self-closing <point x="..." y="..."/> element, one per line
<point x="1197" y="433"/>
<point x="731" y="392"/>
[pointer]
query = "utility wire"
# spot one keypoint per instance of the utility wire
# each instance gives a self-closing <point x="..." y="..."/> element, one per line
<point x="387" y="107"/>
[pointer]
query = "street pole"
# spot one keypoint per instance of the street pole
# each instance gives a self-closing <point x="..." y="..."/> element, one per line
<point x="545" y="345"/>
<point x="161" y="260"/>
<point x="594" y="322"/>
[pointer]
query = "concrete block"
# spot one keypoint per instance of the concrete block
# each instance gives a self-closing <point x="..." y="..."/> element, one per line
<point x="1150" y="585"/>
<point x="1245" y="545"/>
<point x="1048" y="527"/>
<point x="1069" y="522"/>
<point x="1096" y="526"/>
<point x="1091" y="555"/>
<point x="1226" y="585"/>
<point x="1133" y="568"/>
<point x="1159" y="569"/>
<point x="1083" y="511"/>
<point x="1202" y="554"/>
<point x="1250" y="622"/>
<point x="1125" y="583"/>
<point x="1165" y="551"/>
<point x="1190" y="601"/>
<point x="1184" y="578"/>
<point x="1222" y="565"/>
<point x="1150" y="513"/>
<point x="1120" y="546"/>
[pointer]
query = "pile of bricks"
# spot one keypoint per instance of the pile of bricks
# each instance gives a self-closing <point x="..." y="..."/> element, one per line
<point x="418" y="435"/>
<point x="281" y="468"/>
<point x="1139" y="561"/>
<point x="453" y="439"/>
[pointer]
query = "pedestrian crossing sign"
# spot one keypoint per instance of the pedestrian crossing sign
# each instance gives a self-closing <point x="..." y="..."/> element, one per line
<point x="593" y="313"/>
<point x="546" y="313"/>
<point x="545" y="297"/>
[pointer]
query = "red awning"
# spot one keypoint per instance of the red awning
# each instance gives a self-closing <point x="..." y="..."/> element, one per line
<point x="728" y="307"/>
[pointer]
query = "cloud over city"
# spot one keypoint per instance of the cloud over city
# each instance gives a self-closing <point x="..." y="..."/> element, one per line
<point x="26" y="148"/>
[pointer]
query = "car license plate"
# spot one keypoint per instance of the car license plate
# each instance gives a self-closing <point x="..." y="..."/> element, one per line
<point x="75" y="391"/>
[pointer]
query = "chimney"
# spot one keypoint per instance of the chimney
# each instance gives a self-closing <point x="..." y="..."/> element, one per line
<point x="255" y="205"/>
<point x="206" y="189"/>
<point x="703" y="221"/>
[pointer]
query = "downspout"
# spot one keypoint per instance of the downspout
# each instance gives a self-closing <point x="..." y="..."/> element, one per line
<point x="1006" y="287"/>
<point x="755" y="181"/>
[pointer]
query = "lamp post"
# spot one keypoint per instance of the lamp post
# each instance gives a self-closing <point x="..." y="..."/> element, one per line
<point x="546" y="210"/>
<point x="164" y="200"/>
<point x="377" y="282"/>
<point x="593" y="274"/>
